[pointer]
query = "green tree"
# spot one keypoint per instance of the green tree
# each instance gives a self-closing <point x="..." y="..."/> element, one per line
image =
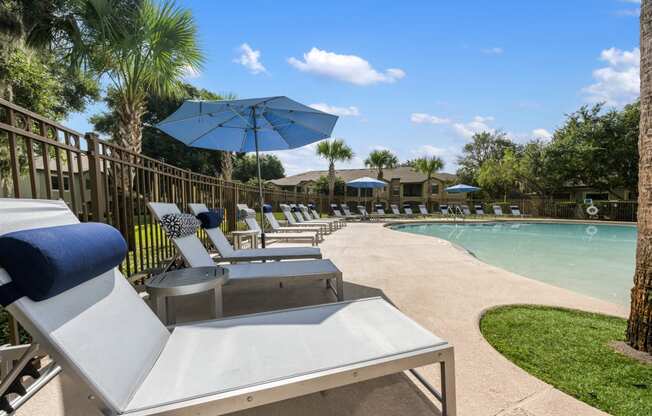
<point x="498" y="176"/>
<point x="322" y="185"/>
<point x="381" y="159"/>
<point x="484" y="146"/>
<point x="142" y="50"/>
<point x="159" y="145"/>
<point x="428" y="165"/>
<point x="245" y="168"/>
<point x="333" y="151"/>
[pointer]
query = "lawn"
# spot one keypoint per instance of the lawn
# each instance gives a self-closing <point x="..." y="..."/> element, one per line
<point x="569" y="350"/>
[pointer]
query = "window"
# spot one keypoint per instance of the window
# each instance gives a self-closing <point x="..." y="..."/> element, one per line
<point x="412" y="189"/>
<point x="597" y="196"/>
<point x="55" y="183"/>
<point x="566" y="196"/>
<point x="434" y="188"/>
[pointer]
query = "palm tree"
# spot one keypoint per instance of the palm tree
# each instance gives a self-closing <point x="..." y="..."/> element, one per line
<point x="381" y="159"/>
<point x="143" y="49"/>
<point x="428" y="165"/>
<point x="639" y="325"/>
<point x="333" y="151"/>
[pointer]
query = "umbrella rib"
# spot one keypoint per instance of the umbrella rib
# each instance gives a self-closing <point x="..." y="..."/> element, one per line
<point x="300" y="123"/>
<point x="211" y="129"/>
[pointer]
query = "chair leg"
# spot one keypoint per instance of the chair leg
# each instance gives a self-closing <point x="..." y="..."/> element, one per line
<point x="449" y="404"/>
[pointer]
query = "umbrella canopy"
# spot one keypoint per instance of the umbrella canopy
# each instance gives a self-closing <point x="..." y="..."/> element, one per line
<point x="277" y="123"/>
<point x="461" y="189"/>
<point x="366" y="183"/>
<point x="255" y="124"/>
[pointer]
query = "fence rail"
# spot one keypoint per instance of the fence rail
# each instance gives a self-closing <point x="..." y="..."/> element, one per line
<point x="101" y="181"/>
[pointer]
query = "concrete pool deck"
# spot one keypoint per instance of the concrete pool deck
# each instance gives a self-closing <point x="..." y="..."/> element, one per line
<point x="441" y="287"/>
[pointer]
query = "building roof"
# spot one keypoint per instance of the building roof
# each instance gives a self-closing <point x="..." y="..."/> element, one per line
<point x="404" y="174"/>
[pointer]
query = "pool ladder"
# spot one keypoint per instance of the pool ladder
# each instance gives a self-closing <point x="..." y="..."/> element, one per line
<point x="457" y="213"/>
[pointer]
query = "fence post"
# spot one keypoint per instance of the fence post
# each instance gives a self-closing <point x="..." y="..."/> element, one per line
<point x="98" y="203"/>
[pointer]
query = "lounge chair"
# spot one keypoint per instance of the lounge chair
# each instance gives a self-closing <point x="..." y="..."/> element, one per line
<point x="348" y="214"/>
<point x="395" y="210"/>
<point x="515" y="210"/>
<point x="465" y="210"/>
<point x="308" y="215"/>
<point x="296" y="219"/>
<point x="407" y="209"/>
<point x="249" y="217"/>
<point x="444" y="210"/>
<point x="423" y="210"/>
<point x="293" y="227"/>
<point x="227" y="253"/>
<point x="194" y="254"/>
<point x="126" y="362"/>
<point x="479" y="210"/>
<point x="363" y="212"/>
<point x="340" y="222"/>
<point x="498" y="211"/>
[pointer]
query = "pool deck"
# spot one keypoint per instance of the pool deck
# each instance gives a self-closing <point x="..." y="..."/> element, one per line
<point x="440" y="286"/>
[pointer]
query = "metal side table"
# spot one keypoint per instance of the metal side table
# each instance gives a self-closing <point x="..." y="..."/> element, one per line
<point x="238" y="236"/>
<point x="163" y="287"/>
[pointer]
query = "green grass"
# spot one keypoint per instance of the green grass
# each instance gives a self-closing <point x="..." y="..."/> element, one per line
<point x="569" y="350"/>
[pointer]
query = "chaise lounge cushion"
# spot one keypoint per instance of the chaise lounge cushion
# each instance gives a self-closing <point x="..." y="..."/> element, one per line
<point x="44" y="262"/>
<point x="180" y="225"/>
<point x="211" y="219"/>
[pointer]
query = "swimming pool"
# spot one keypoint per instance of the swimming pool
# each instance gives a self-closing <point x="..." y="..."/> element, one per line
<point x="594" y="259"/>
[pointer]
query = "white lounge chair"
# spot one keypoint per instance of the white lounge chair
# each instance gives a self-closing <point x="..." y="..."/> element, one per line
<point x="336" y="223"/>
<point x="479" y="210"/>
<point x="194" y="254"/>
<point x="296" y="220"/>
<point x="423" y="210"/>
<point x="293" y="227"/>
<point x="498" y="211"/>
<point x="444" y="210"/>
<point x="229" y="254"/>
<point x="249" y="216"/>
<point x="348" y="214"/>
<point x="395" y="210"/>
<point x="407" y="209"/>
<point x="465" y="210"/>
<point x="330" y="225"/>
<point x="339" y="222"/>
<point x="515" y="210"/>
<point x="126" y="362"/>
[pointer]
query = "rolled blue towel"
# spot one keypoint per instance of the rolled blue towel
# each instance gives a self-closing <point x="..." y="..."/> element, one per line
<point x="44" y="262"/>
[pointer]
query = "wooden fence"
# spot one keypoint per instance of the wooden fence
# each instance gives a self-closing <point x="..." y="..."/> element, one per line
<point x="103" y="182"/>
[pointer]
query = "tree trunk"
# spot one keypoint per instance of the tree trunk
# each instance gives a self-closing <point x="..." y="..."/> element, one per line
<point x="226" y="167"/>
<point x="429" y="193"/>
<point x="380" y="173"/>
<point x="129" y="133"/>
<point x="639" y="326"/>
<point x="331" y="183"/>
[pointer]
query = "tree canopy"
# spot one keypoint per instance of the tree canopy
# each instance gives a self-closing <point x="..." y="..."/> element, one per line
<point x="380" y="160"/>
<point x="245" y="168"/>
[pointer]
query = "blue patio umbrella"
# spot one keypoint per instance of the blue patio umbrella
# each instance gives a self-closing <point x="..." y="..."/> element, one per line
<point x="366" y="183"/>
<point x="248" y="125"/>
<point x="461" y="189"/>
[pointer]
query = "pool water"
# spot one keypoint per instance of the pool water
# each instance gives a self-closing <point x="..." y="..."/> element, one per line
<point x="597" y="260"/>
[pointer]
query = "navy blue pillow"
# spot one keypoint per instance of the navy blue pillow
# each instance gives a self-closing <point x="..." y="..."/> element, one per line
<point x="211" y="219"/>
<point x="44" y="262"/>
<point x="267" y="208"/>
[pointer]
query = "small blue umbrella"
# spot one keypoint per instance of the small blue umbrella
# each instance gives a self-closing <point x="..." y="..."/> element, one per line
<point x="366" y="183"/>
<point x="461" y="189"/>
<point x="249" y="125"/>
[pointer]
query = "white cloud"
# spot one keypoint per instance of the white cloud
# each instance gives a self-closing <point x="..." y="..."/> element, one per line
<point x="250" y="59"/>
<point x="190" y="72"/>
<point x="477" y="125"/>
<point x="351" y="111"/>
<point x="541" y="134"/>
<point x="423" y="118"/>
<point x="631" y="1"/>
<point x="493" y="51"/>
<point x="347" y="68"/>
<point x="618" y="82"/>
<point x="629" y="12"/>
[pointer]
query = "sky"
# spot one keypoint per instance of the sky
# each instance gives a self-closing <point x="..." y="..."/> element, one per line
<point x="419" y="77"/>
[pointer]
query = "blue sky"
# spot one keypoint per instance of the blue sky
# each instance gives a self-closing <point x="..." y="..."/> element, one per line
<point x="420" y="77"/>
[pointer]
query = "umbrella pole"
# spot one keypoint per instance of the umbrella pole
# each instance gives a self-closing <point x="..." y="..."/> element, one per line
<point x="260" y="187"/>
